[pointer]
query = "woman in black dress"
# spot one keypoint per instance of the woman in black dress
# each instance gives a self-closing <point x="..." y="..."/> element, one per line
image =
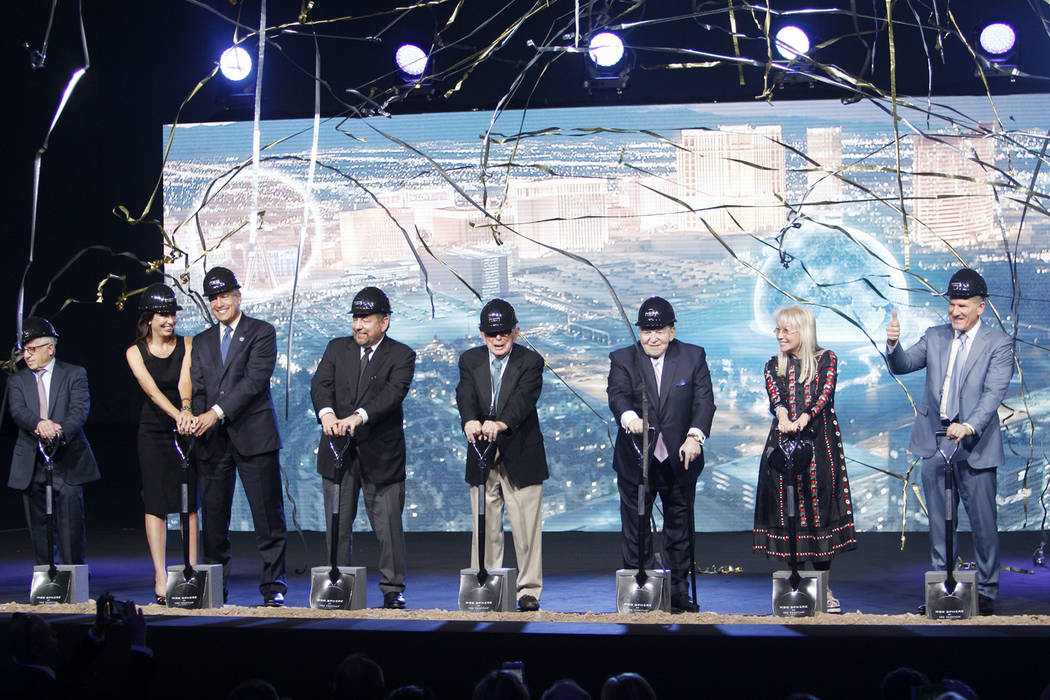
<point x="800" y="381"/>
<point x="160" y="361"/>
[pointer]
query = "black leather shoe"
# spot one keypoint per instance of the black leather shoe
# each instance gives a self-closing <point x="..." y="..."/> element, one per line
<point x="393" y="600"/>
<point x="273" y="600"/>
<point x="528" y="603"/>
<point x="985" y="605"/>
<point x="683" y="604"/>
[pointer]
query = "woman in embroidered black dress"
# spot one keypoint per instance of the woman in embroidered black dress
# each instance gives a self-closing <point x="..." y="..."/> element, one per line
<point x="800" y="381"/>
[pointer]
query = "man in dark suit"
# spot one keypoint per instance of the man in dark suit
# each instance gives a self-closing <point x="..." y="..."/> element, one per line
<point x="499" y="385"/>
<point x="358" y="389"/>
<point x="969" y="365"/>
<point x="49" y="401"/>
<point x="681" y="407"/>
<point x="237" y="432"/>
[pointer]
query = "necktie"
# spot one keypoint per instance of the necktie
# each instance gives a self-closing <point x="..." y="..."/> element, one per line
<point x="41" y="392"/>
<point x="956" y="382"/>
<point x="660" y="452"/>
<point x="224" y="346"/>
<point x="497" y="381"/>
<point x="364" y="368"/>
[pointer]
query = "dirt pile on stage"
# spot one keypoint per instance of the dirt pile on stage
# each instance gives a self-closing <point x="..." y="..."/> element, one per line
<point x="658" y="618"/>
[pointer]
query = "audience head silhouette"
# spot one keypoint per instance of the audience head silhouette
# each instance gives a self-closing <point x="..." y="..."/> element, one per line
<point x="627" y="686"/>
<point x="359" y="678"/>
<point x="501" y="685"/>
<point x="566" y="689"/>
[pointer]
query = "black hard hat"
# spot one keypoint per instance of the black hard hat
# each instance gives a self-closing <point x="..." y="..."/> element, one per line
<point x="370" y="300"/>
<point x="967" y="283"/>
<point x="219" y="280"/>
<point x="35" y="327"/>
<point x="159" y="298"/>
<point x="655" y="312"/>
<point x="497" y="316"/>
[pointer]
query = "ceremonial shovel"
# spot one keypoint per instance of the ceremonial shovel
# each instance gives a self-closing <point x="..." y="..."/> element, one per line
<point x="949" y="598"/>
<point x="191" y="586"/>
<point x="806" y="591"/>
<point x="484" y="590"/>
<point x="337" y="587"/>
<point x="55" y="583"/>
<point x="642" y="590"/>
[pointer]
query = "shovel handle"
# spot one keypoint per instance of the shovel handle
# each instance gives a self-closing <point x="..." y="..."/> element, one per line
<point x="338" y="452"/>
<point x="184" y="454"/>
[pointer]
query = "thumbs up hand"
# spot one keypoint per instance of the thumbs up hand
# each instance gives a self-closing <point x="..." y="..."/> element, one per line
<point x="893" y="330"/>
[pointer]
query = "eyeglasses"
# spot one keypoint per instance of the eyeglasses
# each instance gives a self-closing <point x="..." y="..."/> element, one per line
<point x="504" y="334"/>
<point x="31" y="349"/>
<point x="783" y="331"/>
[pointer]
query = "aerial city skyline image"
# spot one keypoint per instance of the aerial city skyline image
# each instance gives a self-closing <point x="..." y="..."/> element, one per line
<point x="727" y="210"/>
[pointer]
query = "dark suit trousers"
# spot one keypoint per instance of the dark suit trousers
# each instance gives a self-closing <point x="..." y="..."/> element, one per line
<point x="261" y="479"/>
<point x="976" y="488"/>
<point x="384" y="506"/>
<point x="68" y="502"/>
<point x="675" y="500"/>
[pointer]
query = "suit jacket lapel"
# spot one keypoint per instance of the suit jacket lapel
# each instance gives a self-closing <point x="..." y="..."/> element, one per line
<point x="976" y="349"/>
<point x="483" y="380"/>
<point x="511" y="372"/>
<point x="667" y="378"/>
<point x="378" y="355"/>
<point x="940" y="355"/>
<point x="235" y="342"/>
<point x="353" y="350"/>
<point x="645" y="364"/>
<point x="58" y="375"/>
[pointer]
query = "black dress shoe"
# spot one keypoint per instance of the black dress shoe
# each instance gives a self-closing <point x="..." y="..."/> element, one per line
<point x="985" y="605"/>
<point x="528" y="603"/>
<point x="393" y="600"/>
<point x="273" y="600"/>
<point x="683" y="604"/>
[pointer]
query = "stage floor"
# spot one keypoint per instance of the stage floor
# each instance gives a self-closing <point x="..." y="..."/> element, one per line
<point x="734" y="648"/>
<point x="875" y="579"/>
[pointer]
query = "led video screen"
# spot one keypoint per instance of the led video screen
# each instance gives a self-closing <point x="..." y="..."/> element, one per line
<point x="726" y="210"/>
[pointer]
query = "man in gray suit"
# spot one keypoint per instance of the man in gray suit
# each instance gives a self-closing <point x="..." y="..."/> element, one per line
<point x="969" y="365"/>
<point x="49" y="400"/>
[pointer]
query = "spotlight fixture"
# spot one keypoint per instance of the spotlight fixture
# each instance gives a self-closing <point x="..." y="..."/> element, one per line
<point x="996" y="46"/>
<point x="605" y="49"/>
<point x="411" y="60"/>
<point x="608" y="63"/>
<point x="235" y="63"/>
<point x="791" y="42"/>
<point x="997" y="40"/>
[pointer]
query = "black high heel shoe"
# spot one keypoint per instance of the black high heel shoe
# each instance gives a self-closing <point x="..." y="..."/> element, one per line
<point x="161" y="600"/>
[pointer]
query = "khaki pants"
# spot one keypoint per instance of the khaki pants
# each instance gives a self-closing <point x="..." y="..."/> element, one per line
<point x="523" y="508"/>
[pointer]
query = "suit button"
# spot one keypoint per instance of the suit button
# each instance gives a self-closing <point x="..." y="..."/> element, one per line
<point x="221" y="393"/>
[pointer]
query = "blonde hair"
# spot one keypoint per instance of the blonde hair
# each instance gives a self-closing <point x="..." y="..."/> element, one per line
<point x="801" y="319"/>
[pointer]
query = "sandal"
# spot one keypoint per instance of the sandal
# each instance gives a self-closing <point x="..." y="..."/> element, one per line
<point x="832" y="603"/>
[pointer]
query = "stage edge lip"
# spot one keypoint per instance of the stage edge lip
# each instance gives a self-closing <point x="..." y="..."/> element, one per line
<point x="568" y="628"/>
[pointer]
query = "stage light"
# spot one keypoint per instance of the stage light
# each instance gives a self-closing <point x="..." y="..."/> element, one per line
<point x="235" y="63"/>
<point x="998" y="39"/>
<point x="411" y="59"/>
<point x="791" y="42"/>
<point x="605" y="49"/>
